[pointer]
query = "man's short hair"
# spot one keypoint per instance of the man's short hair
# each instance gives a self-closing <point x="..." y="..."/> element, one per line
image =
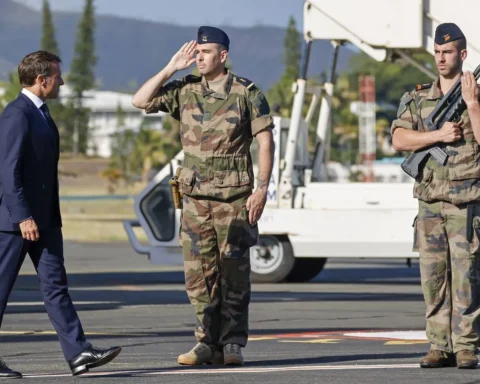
<point x="461" y="44"/>
<point x="221" y="48"/>
<point x="36" y="64"/>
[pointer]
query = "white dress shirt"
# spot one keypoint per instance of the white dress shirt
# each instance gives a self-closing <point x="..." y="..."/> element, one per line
<point x="35" y="100"/>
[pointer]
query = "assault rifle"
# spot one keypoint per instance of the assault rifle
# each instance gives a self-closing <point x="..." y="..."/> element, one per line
<point x="450" y="108"/>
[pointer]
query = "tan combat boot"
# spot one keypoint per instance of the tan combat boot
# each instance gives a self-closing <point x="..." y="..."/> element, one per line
<point x="437" y="359"/>
<point x="466" y="359"/>
<point x="198" y="355"/>
<point x="232" y="354"/>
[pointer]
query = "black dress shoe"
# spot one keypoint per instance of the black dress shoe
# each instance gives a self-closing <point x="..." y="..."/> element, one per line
<point x="7" y="373"/>
<point x="91" y="358"/>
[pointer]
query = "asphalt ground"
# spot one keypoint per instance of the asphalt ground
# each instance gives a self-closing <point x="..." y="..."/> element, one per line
<point x="359" y="321"/>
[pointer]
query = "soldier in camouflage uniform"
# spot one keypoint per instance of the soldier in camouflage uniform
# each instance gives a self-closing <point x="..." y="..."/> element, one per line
<point x="449" y="263"/>
<point x="219" y="114"/>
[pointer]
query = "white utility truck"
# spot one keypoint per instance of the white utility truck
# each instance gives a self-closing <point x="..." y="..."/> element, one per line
<point x="308" y="218"/>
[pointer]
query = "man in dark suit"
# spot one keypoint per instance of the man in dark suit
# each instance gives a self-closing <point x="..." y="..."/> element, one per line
<point x="30" y="220"/>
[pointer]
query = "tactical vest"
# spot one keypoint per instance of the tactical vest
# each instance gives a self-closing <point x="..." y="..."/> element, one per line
<point x="458" y="181"/>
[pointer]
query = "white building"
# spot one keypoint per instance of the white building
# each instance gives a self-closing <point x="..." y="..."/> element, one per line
<point x="103" y="118"/>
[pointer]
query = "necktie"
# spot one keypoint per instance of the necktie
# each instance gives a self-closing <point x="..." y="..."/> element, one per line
<point x="47" y="115"/>
<point x="50" y="122"/>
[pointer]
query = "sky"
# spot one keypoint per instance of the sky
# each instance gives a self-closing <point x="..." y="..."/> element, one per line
<point x="238" y="13"/>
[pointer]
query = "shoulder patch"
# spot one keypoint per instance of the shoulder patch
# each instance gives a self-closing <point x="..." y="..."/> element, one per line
<point x="419" y="87"/>
<point x="404" y="102"/>
<point x="245" y="82"/>
<point x="192" y="79"/>
<point x="262" y="105"/>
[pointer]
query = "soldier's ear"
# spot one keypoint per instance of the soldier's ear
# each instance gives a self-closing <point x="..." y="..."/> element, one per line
<point x="223" y="56"/>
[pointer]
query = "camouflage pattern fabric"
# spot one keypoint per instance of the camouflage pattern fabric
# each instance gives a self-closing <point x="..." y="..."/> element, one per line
<point x="449" y="264"/>
<point x="459" y="180"/>
<point x="215" y="237"/>
<point x="450" y="275"/>
<point x="216" y="130"/>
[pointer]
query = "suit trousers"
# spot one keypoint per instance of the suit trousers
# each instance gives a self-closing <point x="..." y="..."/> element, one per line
<point x="47" y="257"/>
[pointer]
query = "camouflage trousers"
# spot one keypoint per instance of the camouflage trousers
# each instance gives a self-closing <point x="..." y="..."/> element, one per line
<point x="215" y="237"/>
<point x="450" y="275"/>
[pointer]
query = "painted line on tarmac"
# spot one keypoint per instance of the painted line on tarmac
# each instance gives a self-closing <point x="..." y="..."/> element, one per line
<point x="396" y="335"/>
<point x="414" y="336"/>
<point x="233" y="370"/>
<point x="313" y="341"/>
<point x="40" y="333"/>
<point x="33" y="303"/>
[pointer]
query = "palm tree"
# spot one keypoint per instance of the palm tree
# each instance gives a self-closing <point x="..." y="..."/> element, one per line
<point x="149" y="150"/>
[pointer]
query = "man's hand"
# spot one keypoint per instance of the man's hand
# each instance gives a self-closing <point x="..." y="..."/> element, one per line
<point x="469" y="89"/>
<point x="256" y="203"/>
<point x="29" y="230"/>
<point x="184" y="57"/>
<point x="449" y="132"/>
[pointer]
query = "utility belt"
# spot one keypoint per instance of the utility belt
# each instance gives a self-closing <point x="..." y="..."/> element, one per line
<point x="220" y="183"/>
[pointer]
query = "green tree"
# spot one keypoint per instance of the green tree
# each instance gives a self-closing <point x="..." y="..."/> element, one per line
<point x="171" y="138"/>
<point x="64" y="115"/>
<point x="292" y="54"/>
<point x="281" y="95"/>
<point x="149" y="150"/>
<point x="48" y="43"/>
<point x="12" y="90"/>
<point x="81" y="77"/>
<point x="123" y="145"/>
<point x="139" y="152"/>
<point x="391" y="81"/>
<point x="60" y="112"/>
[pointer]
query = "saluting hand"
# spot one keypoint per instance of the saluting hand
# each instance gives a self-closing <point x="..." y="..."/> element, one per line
<point x="184" y="57"/>
<point x="469" y="89"/>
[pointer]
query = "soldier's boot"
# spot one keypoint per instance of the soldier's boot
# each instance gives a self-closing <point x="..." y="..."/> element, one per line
<point x="232" y="354"/>
<point x="200" y="354"/>
<point x="466" y="359"/>
<point x="437" y="359"/>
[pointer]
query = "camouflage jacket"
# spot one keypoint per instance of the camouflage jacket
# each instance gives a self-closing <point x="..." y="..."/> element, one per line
<point x="216" y="131"/>
<point x="459" y="180"/>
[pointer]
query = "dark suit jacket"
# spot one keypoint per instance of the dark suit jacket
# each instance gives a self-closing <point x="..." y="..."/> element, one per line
<point x="29" y="152"/>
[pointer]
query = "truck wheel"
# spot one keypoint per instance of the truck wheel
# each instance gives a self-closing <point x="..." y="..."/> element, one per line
<point x="306" y="269"/>
<point x="271" y="260"/>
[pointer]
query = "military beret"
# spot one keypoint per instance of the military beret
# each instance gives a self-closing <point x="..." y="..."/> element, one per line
<point x="207" y="35"/>
<point x="447" y="32"/>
